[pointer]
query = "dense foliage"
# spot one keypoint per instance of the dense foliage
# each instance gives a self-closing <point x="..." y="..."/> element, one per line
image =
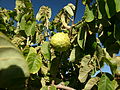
<point x="28" y="61"/>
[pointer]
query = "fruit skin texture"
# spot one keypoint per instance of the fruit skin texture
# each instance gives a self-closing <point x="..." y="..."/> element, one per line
<point x="60" y="41"/>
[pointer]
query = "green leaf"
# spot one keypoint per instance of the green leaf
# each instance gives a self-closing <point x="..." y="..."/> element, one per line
<point x="76" y="54"/>
<point x="117" y="31"/>
<point x="13" y="67"/>
<point x="30" y="28"/>
<point x="110" y="10"/>
<point x="45" y="50"/>
<point x="44" y="69"/>
<point x="105" y="83"/>
<point x="117" y="4"/>
<point x="99" y="52"/>
<point x="81" y="39"/>
<point x="89" y="16"/>
<point x="44" y="88"/>
<point x="34" y="60"/>
<point x="92" y="81"/>
<point x="2" y="27"/>
<point x="72" y="55"/>
<point x="84" y="1"/>
<point x="53" y="88"/>
<point x="23" y="23"/>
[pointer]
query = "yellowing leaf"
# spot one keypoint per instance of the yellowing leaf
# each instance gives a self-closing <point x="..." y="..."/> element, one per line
<point x="93" y="81"/>
<point x="69" y="10"/>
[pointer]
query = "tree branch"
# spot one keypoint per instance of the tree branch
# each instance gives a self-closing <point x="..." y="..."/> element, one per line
<point x="59" y="86"/>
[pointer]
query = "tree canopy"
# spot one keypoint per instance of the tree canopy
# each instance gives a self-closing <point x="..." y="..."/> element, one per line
<point x="28" y="61"/>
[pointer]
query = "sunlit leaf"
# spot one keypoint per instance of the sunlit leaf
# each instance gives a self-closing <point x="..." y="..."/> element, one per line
<point x="89" y="16"/>
<point x="69" y="10"/>
<point x="43" y="13"/>
<point x="65" y="24"/>
<point x="45" y="50"/>
<point x="30" y="28"/>
<point x="34" y="60"/>
<point x="117" y="4"/>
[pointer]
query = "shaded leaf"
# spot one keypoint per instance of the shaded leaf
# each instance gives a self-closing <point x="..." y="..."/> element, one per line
<point x="45" y="50"/>
<point x="117" y="31"/>
<point x="91" y="83"/>
<point x="34" y="60"/>
<point x="13" y="67"/>
<point x="81" y="39"/>
<point x="76" y="54"/>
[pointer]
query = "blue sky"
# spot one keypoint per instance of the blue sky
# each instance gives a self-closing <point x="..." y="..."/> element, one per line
<point x="55" y="5"/>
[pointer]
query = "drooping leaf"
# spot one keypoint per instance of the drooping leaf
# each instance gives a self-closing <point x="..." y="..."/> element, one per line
<point x="106" y="84"/>
<point x="69" y="10"/>
<point x="44" y="69"/>
<point x="72" y="6"/>
<point x="76" y="54"/>
<point x="45" y="50"/>
<point x="13" y="67"/>
<point x="81" y="39"/>
<point x="43" y="13"/>
<point x="117" y="31"/>
<point x="65" y="24"/>
<point x="99" y="52"/>
<point x="93" y="81"/>
<point x="89" y="16"/>
<point x="83" y="73"/>
<point x="23" y="23"/>
<point x="34" y="60"/>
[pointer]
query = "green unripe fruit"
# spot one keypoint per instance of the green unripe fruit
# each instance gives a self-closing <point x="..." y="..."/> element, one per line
<point x="60" y="41"/>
